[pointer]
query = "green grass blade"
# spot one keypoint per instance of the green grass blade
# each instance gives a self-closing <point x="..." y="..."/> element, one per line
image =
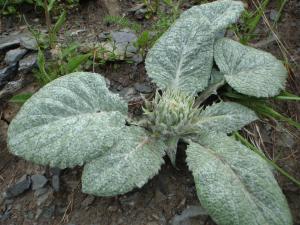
<point x="76" y="61"/>
<point x="286" y="96"/>
<point x="69" y="50"/>
<point x="50" y="5"/>
<point x="262" y="107"/>
<point x="20" y="98"/>
<point x="59" y="23"/>
<point x="42" y="75"/>
<point x="245" y="142"/>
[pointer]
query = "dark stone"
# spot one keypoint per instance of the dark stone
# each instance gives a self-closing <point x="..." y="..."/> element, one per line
<point x="8" y="73"/>
<point x="38" y="181"/>
<point x="143" y="87"/>
<point x="11" y="88"/>
<point x="55" y="182"/>
<point x="14" y="55"/>
<point x="54" y="171"/>
<point x="5" y="215"/>
<point x="28" y="63"/>
<point x="20" y="187"/>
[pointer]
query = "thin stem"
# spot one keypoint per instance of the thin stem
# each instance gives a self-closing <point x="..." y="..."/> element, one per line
<point x="48" y="22"/>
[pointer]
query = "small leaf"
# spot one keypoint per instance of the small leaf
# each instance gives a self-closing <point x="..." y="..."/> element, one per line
<point x="220" y="14"/>
<point x="130" y="163"/>
<point x="248" y="70"/>
<point x="67" y="122"/>
<point x="234" y="184"/>
<point x="171" y="149"/>
<point x="182" y="58"/>
<point x="225" y="117"/>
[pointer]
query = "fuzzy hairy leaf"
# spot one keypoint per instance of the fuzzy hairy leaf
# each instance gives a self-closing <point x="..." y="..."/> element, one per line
<point x="67" y="122"/>
<point x="130" y="163"/>
<point x="225" y="117"/>
<point x="220" y="13"/>
<point x="182" y="58"/>
<point x="248" y="70"/>
<point x="234" y="184"/>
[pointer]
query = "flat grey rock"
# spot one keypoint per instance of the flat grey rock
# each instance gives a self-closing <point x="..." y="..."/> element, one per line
<point x="28" y="42"/>
<point x="9" y="42"/>
<point x="14" y="55"/>
<point x="18" y="188"/>
<point x="143" y="87"/>
<point x="124" y="40"/>
<point x="38" y="181"/>
<point x="28" y="63"/>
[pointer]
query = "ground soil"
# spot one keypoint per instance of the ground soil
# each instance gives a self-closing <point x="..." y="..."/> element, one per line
<point x="172" y="191"/>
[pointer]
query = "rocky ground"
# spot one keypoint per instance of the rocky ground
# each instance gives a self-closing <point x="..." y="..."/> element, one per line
<point x="32" y="194"/>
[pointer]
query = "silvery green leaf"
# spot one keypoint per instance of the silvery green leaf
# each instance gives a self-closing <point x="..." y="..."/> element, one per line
<point x="171" y="149"/>
<point x="248" y="70"/>
<point x="130" y="163"/>
<point x="220" y="14"/>
<point x="67" y="122"/>
<point x="182" y="58"/>
<point x="225" y="117"/>
<point x="234" y="184"/>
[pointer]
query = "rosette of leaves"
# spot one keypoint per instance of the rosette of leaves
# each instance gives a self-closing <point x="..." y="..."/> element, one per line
<point x="76" y="120"/>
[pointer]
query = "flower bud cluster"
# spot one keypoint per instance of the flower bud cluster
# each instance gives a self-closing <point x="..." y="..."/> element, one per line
<point x="172" y="114"/>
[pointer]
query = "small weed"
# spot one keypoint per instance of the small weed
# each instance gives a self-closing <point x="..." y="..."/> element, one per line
<point x="64" y="60"/>
<point x="249" y="21"/>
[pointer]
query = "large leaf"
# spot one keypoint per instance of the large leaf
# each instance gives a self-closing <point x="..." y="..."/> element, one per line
<point x="248" y="70"/>
<point x="234" y="184"/>
<point x="68" y="122"/>
<point x="130" y="163"/>
<point x="220" y="14"/>
<point x="225" y="117"/>
<point x="182" y="58"/>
